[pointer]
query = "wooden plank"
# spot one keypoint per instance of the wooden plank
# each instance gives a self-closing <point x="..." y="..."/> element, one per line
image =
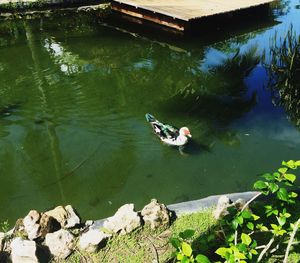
<point x="187" y="10"/>
<point x="150" y="16"/>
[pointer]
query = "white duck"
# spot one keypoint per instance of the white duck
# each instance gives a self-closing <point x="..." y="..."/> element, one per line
<point x="169" y="134"/>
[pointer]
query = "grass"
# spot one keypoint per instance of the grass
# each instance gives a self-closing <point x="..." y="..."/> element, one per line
<point x="147" y="245"/>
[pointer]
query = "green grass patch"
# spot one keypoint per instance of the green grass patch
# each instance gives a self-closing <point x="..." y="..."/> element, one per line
<point x="147" y="245"/>
<point x="200" y="222"/>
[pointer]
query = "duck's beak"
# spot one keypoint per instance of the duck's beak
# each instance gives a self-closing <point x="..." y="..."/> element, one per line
<point x="189" y="135"/>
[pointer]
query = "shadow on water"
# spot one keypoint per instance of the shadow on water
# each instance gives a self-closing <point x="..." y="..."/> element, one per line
<point x="82" y="83"/>
<point x="204" y="31"/>
<point x="219" y="106"/>
<point x="194" y="147"/>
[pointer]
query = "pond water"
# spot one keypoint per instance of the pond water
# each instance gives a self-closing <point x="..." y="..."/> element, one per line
<point x="74" y="92"/>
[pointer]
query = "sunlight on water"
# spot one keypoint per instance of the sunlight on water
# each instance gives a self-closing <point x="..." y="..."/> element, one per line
<point x="72" y="106"/>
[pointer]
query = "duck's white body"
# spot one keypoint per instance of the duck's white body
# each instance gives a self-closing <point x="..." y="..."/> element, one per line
<point x="169" y="134"/>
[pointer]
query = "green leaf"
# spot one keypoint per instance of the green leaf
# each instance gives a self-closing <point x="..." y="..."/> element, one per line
<point x="250" y="225"/>
<point x="254" y="244"/>
<point x="186" y="249"/>
<point x="287" y="215"/>
<point x="290" y="177"/>
<point x="288" y="183"/>
<point x="185" y="259"/>
<point x="222" y="251"/>
<point x="291" y="164"/>
<point x="273" y="187"/>
<point x="235" y="224"/>
<point x="260" y="185"/>
<point x="276" y="175"/>
<point x="280" y="232"/>
<point x="202" y="259"/>
<point x="281" y="220"/>
<point x="297" y="163"/>
<point x="268" y="176"/>
<point x="246" y="214"/>
<point x="246" y="239"/>
<point x="175" y="242"/>
<point x="239" y="255"/>
<point x="253" y="251"/>
<point x="242" y="247"/>
<point x="240" y="220"/>
<point x="187" y="234"/>
<point x="179" y="256"/>
<point x="293" y="195"/>
<point x="282" y="170"/>
<point x="282" y="194"/>
<point x="255" y="217"/>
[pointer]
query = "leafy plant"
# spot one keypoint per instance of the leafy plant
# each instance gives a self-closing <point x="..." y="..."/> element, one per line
<point x="248" y="236"/>
<point x="184" y="251"/>
<point x="5" y="226"/>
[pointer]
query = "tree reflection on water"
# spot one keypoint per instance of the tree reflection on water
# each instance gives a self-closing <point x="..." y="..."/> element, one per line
<point x="284" y="71"/>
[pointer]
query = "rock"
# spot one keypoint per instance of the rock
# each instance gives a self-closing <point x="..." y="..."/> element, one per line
<point x="92" y="240"/>
<point x="66" y="216"/>
<point x="124" y="221"/>
<point x="89" y="222"/>
<point x="23" y="251"/>
<point x="60" y="243"/>
<point x="221" y="210"/>
<point x="48" y="224"/>
<point x="72" y="219"/>
<point x="31" y="224"/>
<point x="2" y="241"/>
<point x="19" y="229"/>
<point x="155" y="214"/>
<point x="38" y="225"/>
<point x="239" y="204"/>
<point x="60" y="214"/>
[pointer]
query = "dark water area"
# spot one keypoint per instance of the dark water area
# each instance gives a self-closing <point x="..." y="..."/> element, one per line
<point x="74" y="92"/>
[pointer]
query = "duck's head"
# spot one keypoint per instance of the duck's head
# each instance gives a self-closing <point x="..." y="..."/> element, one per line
<point x="185" y="131"/>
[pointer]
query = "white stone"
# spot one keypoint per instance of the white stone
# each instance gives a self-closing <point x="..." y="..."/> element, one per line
<point x="92" y="240"/>
<point x="31" y="224"/>
<point x="124" y="221"/>
<point x="2" y="240"/>
<point x="66" y="216"/>
<point x="155" y="214"/>
<point x="60" y="243"/>
<point x="59" y="213"/>
<point x="89" y="222"/>
<point x="221" y="209"/>
<point x="23" y="251"/>
<point x="72" y="218"/>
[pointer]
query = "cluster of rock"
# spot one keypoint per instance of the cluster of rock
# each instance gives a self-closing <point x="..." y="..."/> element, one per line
<point x="55" y="234"/>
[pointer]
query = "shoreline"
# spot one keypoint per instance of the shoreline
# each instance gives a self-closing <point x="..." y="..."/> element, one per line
<point x="37" y="8"/>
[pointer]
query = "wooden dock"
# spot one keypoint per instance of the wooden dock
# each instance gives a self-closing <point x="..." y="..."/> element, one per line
<point x="178" y="14"/>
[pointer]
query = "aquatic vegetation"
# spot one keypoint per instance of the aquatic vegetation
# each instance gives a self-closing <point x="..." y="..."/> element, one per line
<point x="284" y="70"/>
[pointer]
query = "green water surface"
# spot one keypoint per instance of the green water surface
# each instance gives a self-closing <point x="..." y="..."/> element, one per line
<point x="74" y="92"/>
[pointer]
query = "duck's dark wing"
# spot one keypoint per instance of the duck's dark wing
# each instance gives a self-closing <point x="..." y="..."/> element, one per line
<point x="162" y="130"/>
<point x="171" y="131"/>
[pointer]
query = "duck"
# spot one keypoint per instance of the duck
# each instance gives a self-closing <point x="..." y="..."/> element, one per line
<point x="169" y="134"/>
